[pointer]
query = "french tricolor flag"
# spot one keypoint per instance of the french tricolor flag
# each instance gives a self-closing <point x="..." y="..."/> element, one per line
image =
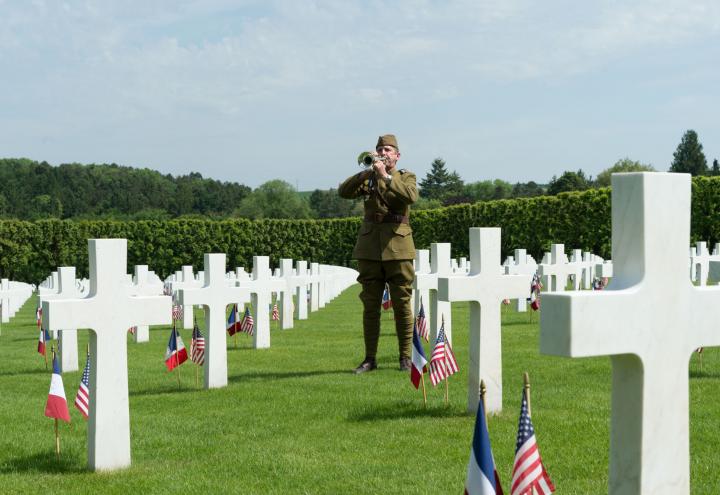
<point x="482" y="477"/>
<point x="56" y="406"/>
<point x="175" y="354"/>
<point x="419" y="361"/>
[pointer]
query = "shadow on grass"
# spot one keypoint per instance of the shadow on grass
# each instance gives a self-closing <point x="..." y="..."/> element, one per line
<point x="518" y="322"/>
<point x="42" y="462"/>
<point x="704" y="374"/>
<point x="185" y="388"/>
<point x="34" y="371"/>
<point x="275" y="375"/>
<point x="401" y="410"/>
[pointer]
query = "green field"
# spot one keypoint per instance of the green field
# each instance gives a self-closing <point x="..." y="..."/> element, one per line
<point x="293" y="419"/>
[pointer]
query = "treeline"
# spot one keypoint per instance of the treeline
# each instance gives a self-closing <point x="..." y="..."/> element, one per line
<point x="33" y="190"/>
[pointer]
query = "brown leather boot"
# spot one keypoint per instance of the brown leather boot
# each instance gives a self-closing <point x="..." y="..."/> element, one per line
<point x="366" y="365"/>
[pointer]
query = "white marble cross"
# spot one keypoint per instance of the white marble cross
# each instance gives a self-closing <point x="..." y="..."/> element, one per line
<point x="575" y="267"/>
<point x="215" y="295"/>
<point x="5" y="293"/>
<point x="555" y="272"/>
<point x="143" y="287"/>
<point x="67" y="337"/>
<point x="300" y="281"/>
<point x="261" y="287"/>
<point x="484" y="287"/>
<point x="422" y="266"/>
<point x="699" y="263"/>
<point x="521" y="263"/>
<point x="589" y="260"/>
<point x="108" y="311"/>
<point x="314" y="286"/>
<point x="286" y="297"/>
<point x="649" y="322"/>
<point x="436" y="309"/>
<point x="189" y="281"/>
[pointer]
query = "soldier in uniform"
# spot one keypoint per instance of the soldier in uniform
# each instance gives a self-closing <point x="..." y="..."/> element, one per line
<point x="384" y="248"/>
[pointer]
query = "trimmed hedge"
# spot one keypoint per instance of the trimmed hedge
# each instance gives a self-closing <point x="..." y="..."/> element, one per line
<point x="30" y="250"/>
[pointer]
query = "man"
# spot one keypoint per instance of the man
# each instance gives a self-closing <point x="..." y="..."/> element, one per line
<point x="384" y="247"/>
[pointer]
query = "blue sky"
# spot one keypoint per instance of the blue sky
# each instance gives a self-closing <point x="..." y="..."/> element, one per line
<point x="251" y="91"/>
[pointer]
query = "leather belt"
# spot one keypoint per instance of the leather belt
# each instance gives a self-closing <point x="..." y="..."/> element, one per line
<point x="387" y="218"/>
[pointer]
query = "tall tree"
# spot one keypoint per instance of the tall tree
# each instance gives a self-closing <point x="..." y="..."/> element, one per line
<point x="274" y="199"/>
<point x="568" y="181"/>
<point x="623" y="165"/>
<point x="439" y="183"/>
<point x="715" y="168"/>
<point x="329" y="204"/>
<point x="527" y="190"/>
<point x="689" y="157"/>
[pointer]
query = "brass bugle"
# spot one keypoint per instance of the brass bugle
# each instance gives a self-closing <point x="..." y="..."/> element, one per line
<point x="366" y="159"/>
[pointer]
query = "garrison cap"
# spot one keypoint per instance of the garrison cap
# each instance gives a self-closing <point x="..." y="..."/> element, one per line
<point x="387" y="140"/>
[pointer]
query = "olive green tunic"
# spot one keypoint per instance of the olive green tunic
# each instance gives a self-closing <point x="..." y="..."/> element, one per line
<point x="385" y="250"/>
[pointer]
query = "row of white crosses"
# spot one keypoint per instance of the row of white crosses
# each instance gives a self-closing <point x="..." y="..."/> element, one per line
<point x="12" y="296"/>
<point x="430" y="267"/>
<point x="703" y="264"/>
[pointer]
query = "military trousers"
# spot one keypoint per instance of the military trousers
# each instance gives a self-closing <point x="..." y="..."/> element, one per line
<point x="399" y="275"/>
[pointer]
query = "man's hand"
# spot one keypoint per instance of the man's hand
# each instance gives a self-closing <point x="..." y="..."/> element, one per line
<point x="379" y="167"/>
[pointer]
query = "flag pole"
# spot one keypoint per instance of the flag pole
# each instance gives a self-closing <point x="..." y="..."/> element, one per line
<point x="526" y="386"/>
<point x="701" y="359"/>
<point x="447" y="378"/>
<point x="45" y="355"/>
<point x="192" y="341"/>
<point x="176" y="357"/>
<point x="483" y="389"/>
<point x="57" y="440"/>
<point x="422" y="377"/>
<point x="57" y="432"/>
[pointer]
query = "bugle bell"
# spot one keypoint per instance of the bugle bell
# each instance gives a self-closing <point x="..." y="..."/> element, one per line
<point x="366" y="159"/>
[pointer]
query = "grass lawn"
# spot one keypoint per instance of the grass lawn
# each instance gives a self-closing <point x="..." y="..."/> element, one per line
<point x="293" y="419"/>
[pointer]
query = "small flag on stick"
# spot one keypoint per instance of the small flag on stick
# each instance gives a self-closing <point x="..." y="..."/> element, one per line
<point x="275" y="313"/>
<point x="233" y="326"/>
<point x="386" y="301"/>
<point x="419" y="364"/>
<point x="82" y="399"/>
<point x="422" y="324"/>
<point x="197" y="346"/>
<point x="529" y="476"/>
<point x="175" y="354"/>
<point x="482" y="477"/>
<point x="442" y="361"/>
<point x="56" y="406"/>
<point x="247" y="324"/>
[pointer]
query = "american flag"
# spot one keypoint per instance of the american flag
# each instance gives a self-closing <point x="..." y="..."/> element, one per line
<point x="275" y="313"/>
<point x="248" y="324"/>
<point x="38" y="316"/>
<point x="132" y="330"/>
<point x="82" y="399"/>
<point x="422" y="324"/>
<point x="442" y="361"/>
<point x="529" y="476"/>
<point x="197" y="346"/>
<point x="177" y="312"/>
